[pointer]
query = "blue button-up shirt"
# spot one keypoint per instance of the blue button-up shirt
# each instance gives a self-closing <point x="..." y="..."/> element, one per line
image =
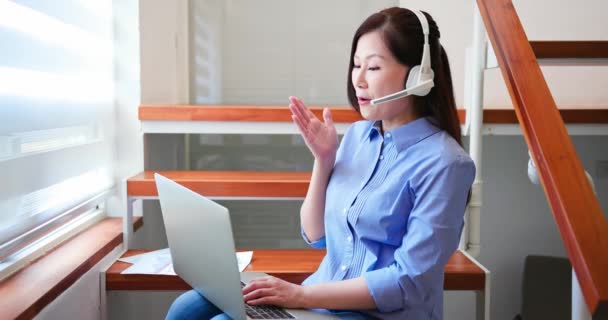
<point x="394" y="214"/>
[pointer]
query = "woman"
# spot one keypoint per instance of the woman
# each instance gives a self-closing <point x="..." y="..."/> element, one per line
<point x="388" y="203"/>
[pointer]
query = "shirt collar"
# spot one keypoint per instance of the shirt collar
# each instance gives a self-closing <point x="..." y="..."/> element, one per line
<point x="408" y="134"/>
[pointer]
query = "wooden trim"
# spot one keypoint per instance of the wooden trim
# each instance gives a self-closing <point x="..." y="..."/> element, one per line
<point x="598" y="114"/>
<point x="570" y="49"/>
<point x="226" y="183"/>
<point x="28" y="291"/>
<point x="570" y="115"/>
<point x="291" y="265"/>
<point x="461" y="273"/>
<point x="462" y="115"/>
<point x="575" y="208"/>
<point x="237" y="113"/>
<point x="587" y="116"/>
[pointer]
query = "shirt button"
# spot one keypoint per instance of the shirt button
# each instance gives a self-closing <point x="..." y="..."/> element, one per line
<point x="381" y="157"/>
<point x="388" y="134"/>
<point x="343" y="267"/>
<point x="349" y="239"/>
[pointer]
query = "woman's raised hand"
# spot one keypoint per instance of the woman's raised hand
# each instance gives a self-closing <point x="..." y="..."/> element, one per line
<point x="321" y="138"/>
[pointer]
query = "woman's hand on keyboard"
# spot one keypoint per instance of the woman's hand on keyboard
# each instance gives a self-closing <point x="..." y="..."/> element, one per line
<point x="273" y="291"/>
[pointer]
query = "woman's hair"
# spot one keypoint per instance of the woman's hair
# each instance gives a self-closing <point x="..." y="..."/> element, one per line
<point x="402" y="34"/>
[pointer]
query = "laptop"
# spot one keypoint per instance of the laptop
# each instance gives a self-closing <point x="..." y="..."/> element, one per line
<point x="203" y="253"/>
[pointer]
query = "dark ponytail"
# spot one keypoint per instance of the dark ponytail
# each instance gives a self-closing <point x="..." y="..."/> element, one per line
<point x="440" y="103"/>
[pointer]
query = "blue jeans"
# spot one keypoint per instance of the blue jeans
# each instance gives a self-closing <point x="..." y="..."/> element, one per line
<point x="192" y="305"/>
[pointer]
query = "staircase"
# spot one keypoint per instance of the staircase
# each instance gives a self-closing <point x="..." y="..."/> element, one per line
<point x="461" y="273"/>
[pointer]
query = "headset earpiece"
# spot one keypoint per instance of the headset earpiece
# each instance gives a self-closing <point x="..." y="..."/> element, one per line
<point x="412" y="77"/>
<point x="416" y="78"/>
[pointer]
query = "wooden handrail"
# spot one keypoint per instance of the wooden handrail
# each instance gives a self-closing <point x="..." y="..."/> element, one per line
<point x="575" y="208"/>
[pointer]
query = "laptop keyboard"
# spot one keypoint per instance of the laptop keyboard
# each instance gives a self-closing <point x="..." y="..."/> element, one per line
<point x="266" y="311"/>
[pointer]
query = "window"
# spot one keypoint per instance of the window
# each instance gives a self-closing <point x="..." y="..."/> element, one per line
<point x="56" y="115"/>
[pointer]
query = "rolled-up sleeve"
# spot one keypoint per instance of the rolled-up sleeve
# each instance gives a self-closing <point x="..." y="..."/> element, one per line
<point x="318" y="244"/>
<point x="433" y="232"/>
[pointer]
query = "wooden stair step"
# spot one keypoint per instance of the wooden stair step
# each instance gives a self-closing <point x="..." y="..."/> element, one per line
<point x="570" y="49"/>
<point x="236" y="113"/>
<point x="344" y="114"/>
<point x="461" y="273"/>
<point x="226" y="183"/>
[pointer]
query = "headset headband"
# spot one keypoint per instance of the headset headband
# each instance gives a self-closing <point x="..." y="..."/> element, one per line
<point x="425" y="64"/>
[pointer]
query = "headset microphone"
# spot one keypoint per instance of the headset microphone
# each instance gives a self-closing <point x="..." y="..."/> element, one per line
<point x="420" y="79"/>
<point x="426" y="85"/>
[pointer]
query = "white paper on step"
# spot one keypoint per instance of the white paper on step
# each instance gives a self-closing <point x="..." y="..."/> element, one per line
<point x="159" y="262"/>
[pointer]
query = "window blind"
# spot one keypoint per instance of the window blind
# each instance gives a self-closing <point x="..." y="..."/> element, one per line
<point x="56" y="109"/>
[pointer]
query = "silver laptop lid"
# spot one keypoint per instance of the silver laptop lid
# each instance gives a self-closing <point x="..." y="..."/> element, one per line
<point x="201" y="245"/>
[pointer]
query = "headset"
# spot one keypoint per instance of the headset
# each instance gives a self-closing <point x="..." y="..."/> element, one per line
<point x="420" y="79"/>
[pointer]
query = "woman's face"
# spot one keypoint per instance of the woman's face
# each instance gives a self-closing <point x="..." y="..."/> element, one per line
<point x="377" y="73"/>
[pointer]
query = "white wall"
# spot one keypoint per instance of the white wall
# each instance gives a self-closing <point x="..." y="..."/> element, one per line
<point x="262" y="51"/>
<point x="160" y="36"/>
<point x="82" y="300"/>
<point x="128" y="139"/>
<point x="271" y="49"/>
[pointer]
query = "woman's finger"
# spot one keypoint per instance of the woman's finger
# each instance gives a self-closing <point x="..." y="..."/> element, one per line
<point x="259" y="293"/>
<point x="309" y="113"/>
<point x="297" y="104"/>
<point x="295" y="110"/>
<point x="254" y="285"/>
<point x="301" y="126"/>
<point x="305" y="123"/>
<point x="304" y="112"/>
<point x="304" y="108"/>
<point x="329" y="121"/>
<point x="264" y="300"/>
